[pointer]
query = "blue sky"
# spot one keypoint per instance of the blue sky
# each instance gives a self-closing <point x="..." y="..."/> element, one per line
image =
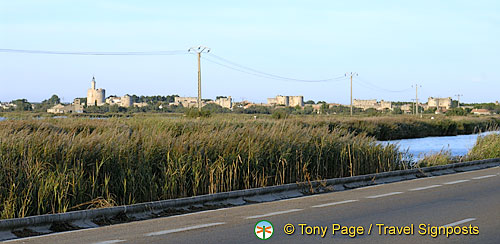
<point x="448" y="47"/>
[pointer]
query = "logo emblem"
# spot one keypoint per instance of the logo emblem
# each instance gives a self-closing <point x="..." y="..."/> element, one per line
<point x="264" y="229"/>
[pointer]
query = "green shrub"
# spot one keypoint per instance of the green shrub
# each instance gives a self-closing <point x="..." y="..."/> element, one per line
<point x="195" y="113"/>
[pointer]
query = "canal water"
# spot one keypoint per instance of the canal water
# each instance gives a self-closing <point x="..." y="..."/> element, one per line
<point x="2" y="118"/>
<point x="457" y="145"/>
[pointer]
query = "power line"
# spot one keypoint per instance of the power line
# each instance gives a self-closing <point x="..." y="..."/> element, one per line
<point x="172" y="52"/>
<point x="372" y="86"/>
<point x="272" y="75"/>
<point x="239" y="70"/>
<point x="229" y="64"/>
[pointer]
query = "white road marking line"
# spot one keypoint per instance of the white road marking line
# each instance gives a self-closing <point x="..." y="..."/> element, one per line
<point x="455" y="182"/>
<point x="368" y="187"/>
<point x="274" y="213"/>
<point x="194" y="227"/>
<point x="460" y="222"/>
<point x="46" y="235"/>
<point x="424" y="187"/>
<point x="483" y="177"/>
<point x="385" y="195"/>
<point x="333" y="203"/>
<point x="109" y="242"/>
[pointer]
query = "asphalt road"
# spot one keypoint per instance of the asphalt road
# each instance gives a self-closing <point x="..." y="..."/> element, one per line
<point x="470" y="199"/>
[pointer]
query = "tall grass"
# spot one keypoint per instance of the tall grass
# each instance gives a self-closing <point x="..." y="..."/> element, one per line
<point x="58" y="165"/>
<point x="486" y="147"/>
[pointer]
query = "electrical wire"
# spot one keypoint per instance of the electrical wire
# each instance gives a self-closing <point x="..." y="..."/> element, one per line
<point x="372" y="86"/>
<point x="267" y="76"/>
<point x="173" y="52"/>
<point x="271" y="75"/>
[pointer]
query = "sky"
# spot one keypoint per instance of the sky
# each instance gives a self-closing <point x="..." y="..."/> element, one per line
<point x="446" y="47"/>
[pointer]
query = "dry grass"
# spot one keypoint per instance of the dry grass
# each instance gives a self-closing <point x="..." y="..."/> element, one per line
<point x="486" y="147"/>
<point x="57" y="165"/>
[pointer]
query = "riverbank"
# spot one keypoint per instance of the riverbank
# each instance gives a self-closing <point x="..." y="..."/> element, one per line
<point x="394" y="128"/>
<point x="486" y="147"/>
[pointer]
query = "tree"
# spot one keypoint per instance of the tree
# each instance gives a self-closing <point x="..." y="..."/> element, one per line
<point x="53" y="100"/>
<point x="215" y="108"/>
<point x="310" y="102"/>
<point x="456" y="112"/>
<point x="280" y="113"/>
<point x="397" y="110"/>
<point x="22" y="105"/>
<point x="308" y="110"/>
<point x="195" y="113"/>
<point x="324" y="108"/>
<point x="430" y="111"/>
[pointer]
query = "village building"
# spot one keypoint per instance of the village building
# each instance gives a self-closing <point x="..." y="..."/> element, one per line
<point x="372" y="103"/>
<point x="481" y="111"/>
<point x="75" y="107"/>
<point x="7" y="105"/>
<point x="439" y="103"/>
<point x="125" y="101"/>
<point x="225" y="102"/>
<point x="288" y="101"/>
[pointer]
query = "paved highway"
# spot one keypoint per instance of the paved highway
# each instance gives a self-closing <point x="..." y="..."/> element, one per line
<point x="466" y="199"/>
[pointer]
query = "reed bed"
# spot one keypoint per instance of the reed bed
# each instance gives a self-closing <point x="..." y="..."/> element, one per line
<point x="486" y="147"/>
<point x="59" y="165"/>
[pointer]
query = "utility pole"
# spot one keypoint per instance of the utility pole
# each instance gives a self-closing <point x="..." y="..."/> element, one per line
<point x="351" y="75"/>
<point x="416" y="100"/>
<point x="198" y="50"/>
<point x="459" y="95"/>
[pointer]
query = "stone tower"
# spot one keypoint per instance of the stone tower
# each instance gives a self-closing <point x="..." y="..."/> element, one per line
<point x="95" y="96"/>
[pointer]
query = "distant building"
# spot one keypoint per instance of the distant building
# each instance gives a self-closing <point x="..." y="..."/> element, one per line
<point x="317" y="107"/>
<point x="187" y="102"/>
<point x="407" y="108"/>
<point x="225" y="102"/>
<point x="76" y="107"/>
<point x="439" y="103"/>
<point x="192" y="102"/>
<point x="288" y="101"/>
<point x="95" y="96"/>
<point x="140" y="105"/>
<point x="249" y="105"/>
<point x="372" y="103"/>
<point x="112" y="100"/>
<point x="481" y="112"/>
<point x="125" y="101"/>
<point x="7" y="105"/>
<point x="60" y="109"/>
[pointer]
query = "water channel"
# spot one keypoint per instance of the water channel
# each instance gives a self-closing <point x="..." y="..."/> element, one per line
<point x="457" y="145"/>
